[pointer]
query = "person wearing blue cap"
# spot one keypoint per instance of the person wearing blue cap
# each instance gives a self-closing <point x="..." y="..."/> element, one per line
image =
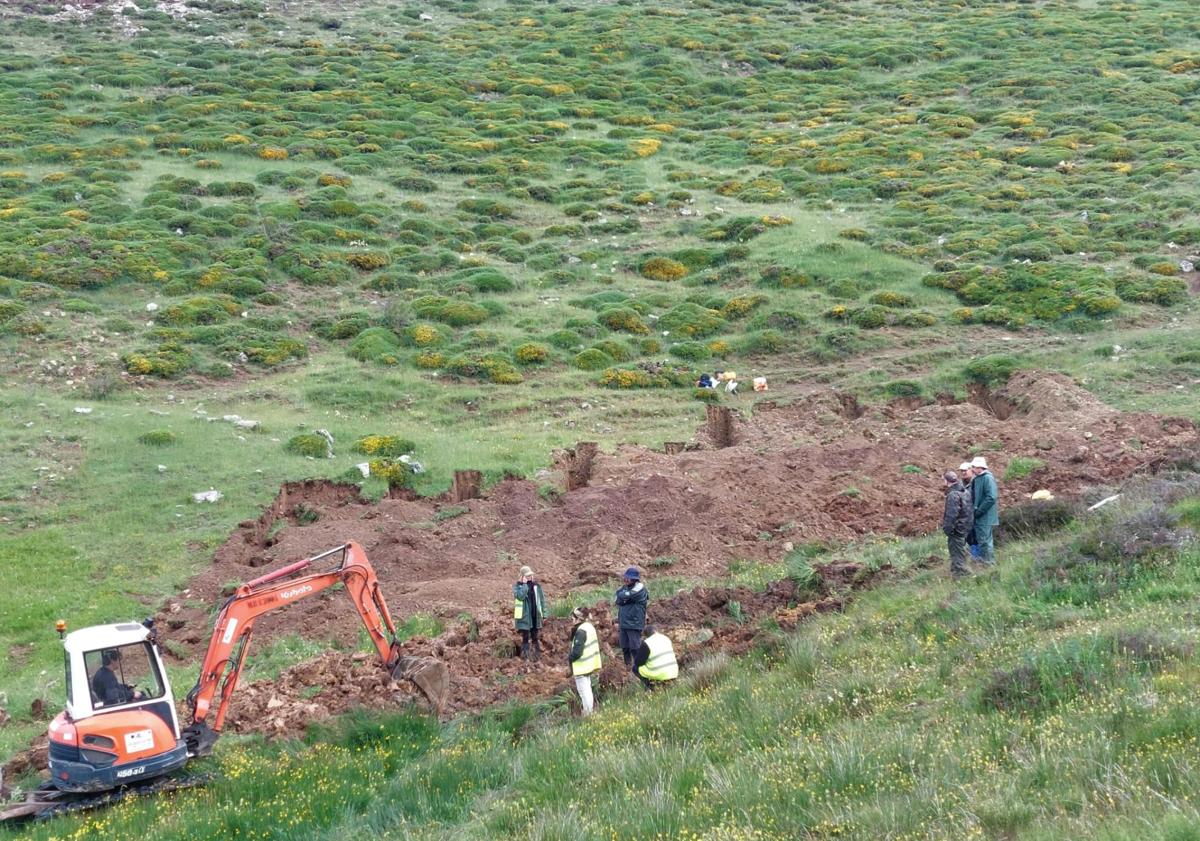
<point x="631" y="603"/>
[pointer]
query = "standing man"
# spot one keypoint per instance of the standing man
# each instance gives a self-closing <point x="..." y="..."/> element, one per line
<point x="655" y="662"/>
<point x="957" y="520"/>
<point x="584" y="656"/>
<point x="965" y="475"/>
<point x="529" y="612"/>
<point x="987" y="509"/>
<point x="631" y="603"/>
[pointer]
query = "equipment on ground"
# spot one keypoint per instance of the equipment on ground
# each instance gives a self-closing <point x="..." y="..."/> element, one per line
<point x="120" y="727"/>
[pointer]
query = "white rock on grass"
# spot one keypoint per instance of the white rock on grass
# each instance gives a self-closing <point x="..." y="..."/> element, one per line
<point x="151" y="307"/>
<point x="364" y="468"/>
<point x="208" y="496"/>
<point x="83" y="410"/>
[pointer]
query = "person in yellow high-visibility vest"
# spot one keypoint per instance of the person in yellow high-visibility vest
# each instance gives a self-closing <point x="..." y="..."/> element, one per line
<point x="655" y="661"/>
<point x="584" y="656"/>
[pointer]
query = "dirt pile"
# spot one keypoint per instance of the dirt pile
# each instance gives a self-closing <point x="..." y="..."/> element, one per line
<point x="825" y="469"/>
<point x="479" y="654"/>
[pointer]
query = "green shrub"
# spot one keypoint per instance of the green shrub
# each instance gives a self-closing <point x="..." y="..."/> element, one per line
<point x="376" y="344"/>
<point x="763" y="343"/>
<point x="691" y="320"/>
<point x="492" y="367"/>
<point x="308" y="444"/>
<point x="462" y="313"/>
<point x="1022" y="466"/>
<point x="158" y="438"/>
<point x="200" y="310"/>
<point x="623" y="319"/>
<point x="692" y="351"/>
<point x="10" y="310"/>
<point x="903" y="388"/>
<point x="991" y="370"/>
<point x="170" y="359"/>
<point x="565" y="339"/>
<point x="618" y="351"/>
<point x="592" y="359"/>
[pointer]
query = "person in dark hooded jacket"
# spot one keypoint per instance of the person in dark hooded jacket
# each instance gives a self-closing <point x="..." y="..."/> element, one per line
<point x="631" y="601"/>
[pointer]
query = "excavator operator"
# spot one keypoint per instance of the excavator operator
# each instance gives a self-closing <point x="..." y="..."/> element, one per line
<point x="107" y="686"/>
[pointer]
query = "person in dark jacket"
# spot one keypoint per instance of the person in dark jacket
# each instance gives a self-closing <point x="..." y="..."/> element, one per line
<point x="529" y="612"/>
<point x="957" y="519"/>
<point x="584" y="656"/>
<point x="966" y="475"/>
<point x="631" y="601"/>
<point x="108" y="686"/>
<point x="987" y="509"/>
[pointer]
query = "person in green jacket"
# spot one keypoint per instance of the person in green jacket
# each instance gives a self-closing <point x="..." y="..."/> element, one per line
<point x="529" y="612"/>
<point x="987" y="509"/>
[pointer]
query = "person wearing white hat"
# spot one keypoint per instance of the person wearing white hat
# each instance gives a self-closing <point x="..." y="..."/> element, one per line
<point x="529" y="612"/>
<point x="966" y="475"/>
<point x="987" y="508"/>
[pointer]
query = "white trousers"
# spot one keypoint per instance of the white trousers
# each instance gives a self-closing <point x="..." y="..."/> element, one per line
<point x="583" y="685"/>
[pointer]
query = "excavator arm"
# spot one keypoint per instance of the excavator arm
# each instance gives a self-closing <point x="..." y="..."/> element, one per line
<point x="230" y="642"/>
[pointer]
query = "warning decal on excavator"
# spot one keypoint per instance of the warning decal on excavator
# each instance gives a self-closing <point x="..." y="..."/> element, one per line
<point x="229" y="629"/>
<point x="139" y="740"/>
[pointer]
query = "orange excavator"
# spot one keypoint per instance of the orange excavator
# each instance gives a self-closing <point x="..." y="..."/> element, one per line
<point x="120" y="726"/>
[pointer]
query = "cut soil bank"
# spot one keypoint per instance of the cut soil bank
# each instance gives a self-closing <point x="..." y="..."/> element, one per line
<point x="826" y="469"/>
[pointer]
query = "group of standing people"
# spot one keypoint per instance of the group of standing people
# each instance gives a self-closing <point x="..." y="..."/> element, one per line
<point x="971" y="514"/>
<point x="649" y="654"/>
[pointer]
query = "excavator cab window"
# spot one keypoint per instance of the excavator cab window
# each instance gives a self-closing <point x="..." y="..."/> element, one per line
<point x="123" y="674"/>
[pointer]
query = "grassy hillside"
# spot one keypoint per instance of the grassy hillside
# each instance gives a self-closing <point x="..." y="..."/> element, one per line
<point x="1050" y="700"/>
<point x="500" y="228"/>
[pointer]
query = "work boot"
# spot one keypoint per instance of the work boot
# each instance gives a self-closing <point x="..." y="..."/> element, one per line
<point x="537" y="650"/>
<point x="524" y="651"/>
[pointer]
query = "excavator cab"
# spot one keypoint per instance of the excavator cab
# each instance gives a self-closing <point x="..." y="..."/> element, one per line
<point x="120" y="724"/>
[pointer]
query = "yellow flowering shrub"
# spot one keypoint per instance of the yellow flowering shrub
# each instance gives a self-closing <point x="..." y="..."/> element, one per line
<point x="384" y="446"/>
<point x="273" y="153"/>
<point x="625" y="378"/>
<point x="646" y="146"/>
<point x="531" y="353"/>
<point x="663" y="268"/>
<point x="430" y="359"/>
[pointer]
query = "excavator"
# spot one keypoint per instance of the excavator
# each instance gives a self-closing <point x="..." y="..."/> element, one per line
<point x="120" y="727"/>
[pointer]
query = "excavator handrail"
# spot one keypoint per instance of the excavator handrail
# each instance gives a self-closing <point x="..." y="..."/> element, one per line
<point x="229" y="644"/>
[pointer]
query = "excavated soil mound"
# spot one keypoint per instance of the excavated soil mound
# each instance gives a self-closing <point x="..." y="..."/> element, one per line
<point x="825" y="469"/>
<point x="484" y="671"/>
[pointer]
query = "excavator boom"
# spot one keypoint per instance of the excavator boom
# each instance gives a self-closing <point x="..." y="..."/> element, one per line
<point x="230" y="641"/>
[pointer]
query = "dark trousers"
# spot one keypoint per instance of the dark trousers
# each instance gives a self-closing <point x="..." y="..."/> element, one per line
<point x="530" y="634"/>
<point x="631" y="641"/>
<point x="957" y="545"/>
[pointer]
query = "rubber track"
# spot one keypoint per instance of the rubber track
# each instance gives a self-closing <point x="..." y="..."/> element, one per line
<point x="65" y="804"/>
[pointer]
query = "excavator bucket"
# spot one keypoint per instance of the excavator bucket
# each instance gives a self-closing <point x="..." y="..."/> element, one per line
<point x="428" y="674"/>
